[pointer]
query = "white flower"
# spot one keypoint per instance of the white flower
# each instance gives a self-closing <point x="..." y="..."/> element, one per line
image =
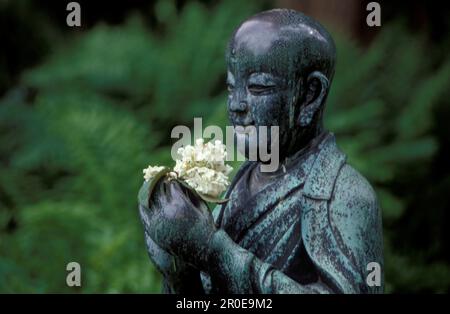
<point x="150" y="172"/>
<point x="201" y="166"/>
<point x="207" y="181"/>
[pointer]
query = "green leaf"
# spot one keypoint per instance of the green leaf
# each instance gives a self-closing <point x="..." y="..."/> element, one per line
<point x="147" y="188"/>
<point x="187" y="186"/>
<point x="206" y="198"/>
<point x="212" y="199"/>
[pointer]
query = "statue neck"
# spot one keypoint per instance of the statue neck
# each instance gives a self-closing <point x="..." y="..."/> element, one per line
<point x="302" y="139"/>
<point x="308" y="146"/>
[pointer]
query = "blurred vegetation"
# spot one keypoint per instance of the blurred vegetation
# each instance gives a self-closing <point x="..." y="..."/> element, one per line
<point x="80" y="122"/>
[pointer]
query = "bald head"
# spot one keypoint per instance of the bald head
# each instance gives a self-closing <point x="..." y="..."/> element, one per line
<point x="280" y="65"/>
<point x="283" y="40"/>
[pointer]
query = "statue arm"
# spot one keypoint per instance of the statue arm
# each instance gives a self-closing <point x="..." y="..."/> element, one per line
<point x="178" y="277"/>
<point x="355" y="222"/>
<point x="236" y="270"/>
<point x="350" y="223"/>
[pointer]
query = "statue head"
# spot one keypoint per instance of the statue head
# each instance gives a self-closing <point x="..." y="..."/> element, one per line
<point x="280" y="64"/>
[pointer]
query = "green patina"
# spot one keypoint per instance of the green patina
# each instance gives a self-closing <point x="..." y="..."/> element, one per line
<point x="314" y="225"/>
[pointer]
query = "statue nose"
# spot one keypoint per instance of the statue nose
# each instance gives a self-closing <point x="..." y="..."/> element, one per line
<point x="239" y="106"/>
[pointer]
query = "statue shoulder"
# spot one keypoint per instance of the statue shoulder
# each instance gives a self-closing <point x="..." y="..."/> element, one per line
<point x="355" y="217"/>
<point x="353" y="194"/>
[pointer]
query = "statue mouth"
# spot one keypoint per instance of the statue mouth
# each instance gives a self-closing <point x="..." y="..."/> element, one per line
<point x="249" y="129"/>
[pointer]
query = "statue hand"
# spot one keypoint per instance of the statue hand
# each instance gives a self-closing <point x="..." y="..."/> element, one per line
<point x="179" y="276"/>
<point x="168" y="265"/>
<point x="179" y="223"/>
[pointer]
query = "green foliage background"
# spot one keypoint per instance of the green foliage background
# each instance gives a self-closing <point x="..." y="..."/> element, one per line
<point x="77" y="128"/>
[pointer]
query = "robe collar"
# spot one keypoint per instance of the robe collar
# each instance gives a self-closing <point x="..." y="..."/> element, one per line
<point x="318" y="183"/>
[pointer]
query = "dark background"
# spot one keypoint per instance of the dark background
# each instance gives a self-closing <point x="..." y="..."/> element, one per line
<point x="84" y="109"/>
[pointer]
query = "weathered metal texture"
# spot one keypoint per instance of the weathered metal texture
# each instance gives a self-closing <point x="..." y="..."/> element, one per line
<point x="314" y="225"/>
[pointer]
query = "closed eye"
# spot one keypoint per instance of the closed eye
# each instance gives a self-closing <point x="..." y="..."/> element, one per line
<point x="257" y="89"/>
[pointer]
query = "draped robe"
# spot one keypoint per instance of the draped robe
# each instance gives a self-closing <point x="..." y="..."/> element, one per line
<point x="317" y="224"/>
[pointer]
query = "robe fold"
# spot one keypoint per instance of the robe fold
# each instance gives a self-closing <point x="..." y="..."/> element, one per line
<point x="309" y="223"/>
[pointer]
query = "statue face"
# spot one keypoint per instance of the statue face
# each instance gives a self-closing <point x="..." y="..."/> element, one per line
<point x="280" y="64"/>
<point x="260" y="82"/>
<point x="258" y="98"/>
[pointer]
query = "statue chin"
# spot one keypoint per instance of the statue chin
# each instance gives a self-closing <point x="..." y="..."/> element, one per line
<point x="247" y="145"/>
<point x="254" y="148"/>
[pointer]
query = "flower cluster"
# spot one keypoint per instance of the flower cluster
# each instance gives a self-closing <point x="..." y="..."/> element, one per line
<point x="150" y="172"/>
<point x="201" y="166"/>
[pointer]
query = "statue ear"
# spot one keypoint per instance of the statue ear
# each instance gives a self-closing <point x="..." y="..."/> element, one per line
<point x="316" y="91"/>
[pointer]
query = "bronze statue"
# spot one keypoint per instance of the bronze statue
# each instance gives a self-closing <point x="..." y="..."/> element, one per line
<point x="312" y="226"/>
